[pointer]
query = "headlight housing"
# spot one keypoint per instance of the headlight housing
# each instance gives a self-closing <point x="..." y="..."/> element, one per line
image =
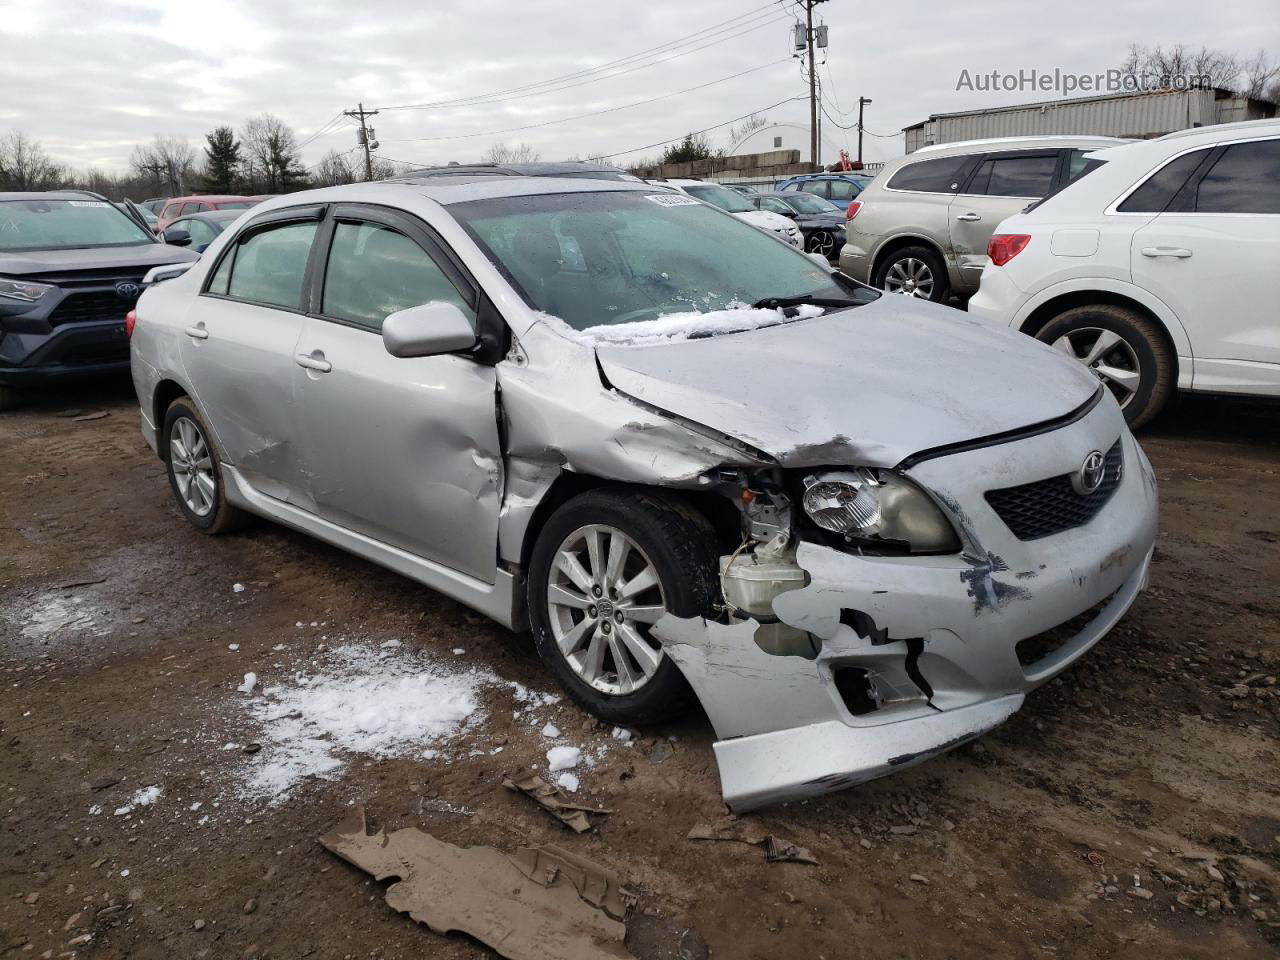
<point x="878" y="509"/>
<point x="23" y="289"/>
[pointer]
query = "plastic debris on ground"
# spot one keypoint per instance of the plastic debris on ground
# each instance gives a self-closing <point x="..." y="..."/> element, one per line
<point x="553" y="799"/>
<point x="541" y="903"/>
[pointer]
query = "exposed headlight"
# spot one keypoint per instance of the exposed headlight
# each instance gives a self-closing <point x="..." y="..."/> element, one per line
<point x="23" y="290"/>
<point x="878" y="509"/>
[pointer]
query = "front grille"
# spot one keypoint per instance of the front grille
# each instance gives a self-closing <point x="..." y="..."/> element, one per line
<point x="1046" y="507"/>
<point x="92" y="305"/>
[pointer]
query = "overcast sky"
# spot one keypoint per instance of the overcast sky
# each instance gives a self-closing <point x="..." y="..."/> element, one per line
<point x="91" y="79"/>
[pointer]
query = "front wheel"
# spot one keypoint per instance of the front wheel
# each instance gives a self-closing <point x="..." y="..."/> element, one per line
<point x="608" y="565"/>
<point x="1124" y="350"/>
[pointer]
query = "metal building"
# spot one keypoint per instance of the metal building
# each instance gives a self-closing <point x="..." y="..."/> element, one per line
<point x="1136" y="115"/>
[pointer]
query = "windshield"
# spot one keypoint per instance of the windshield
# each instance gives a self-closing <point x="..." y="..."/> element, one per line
<point x="721" y="197"/>
<point x="604" y="258"/>
<point x="807" y="203"/>
<point x="235" y="204"/>
<point x="66" y="224"/>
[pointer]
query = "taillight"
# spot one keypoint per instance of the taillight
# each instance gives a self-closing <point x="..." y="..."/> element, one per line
<point x="1003" y="247"/>
<point x="854" y="207"/>
<point x="130" y="320"/>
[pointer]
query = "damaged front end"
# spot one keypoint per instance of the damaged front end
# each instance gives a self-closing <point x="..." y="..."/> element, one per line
<point x="876" y="617"/>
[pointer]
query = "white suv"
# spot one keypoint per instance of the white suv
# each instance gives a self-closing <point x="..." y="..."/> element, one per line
<point x="1159" y="269"/>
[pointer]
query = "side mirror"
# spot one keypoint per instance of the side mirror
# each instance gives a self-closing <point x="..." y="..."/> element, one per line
<point x="177" y="237"/>
<point x="427" y="330"/>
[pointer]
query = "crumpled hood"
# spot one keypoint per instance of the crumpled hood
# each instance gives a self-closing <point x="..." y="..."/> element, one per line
<point x="31" y="262"/>
<point x="869" y="385"/>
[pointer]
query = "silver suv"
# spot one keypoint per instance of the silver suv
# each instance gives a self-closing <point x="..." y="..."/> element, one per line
<point x="921" y="227"/>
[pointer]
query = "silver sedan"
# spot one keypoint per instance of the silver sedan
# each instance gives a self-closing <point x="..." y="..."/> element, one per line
<point x="690" y="460"/>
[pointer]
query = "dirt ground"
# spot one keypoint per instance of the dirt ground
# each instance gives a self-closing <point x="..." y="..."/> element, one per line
<point x="1131" y="809"/>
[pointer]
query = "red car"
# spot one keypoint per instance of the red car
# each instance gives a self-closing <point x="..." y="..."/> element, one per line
<point x="184" y="206"/>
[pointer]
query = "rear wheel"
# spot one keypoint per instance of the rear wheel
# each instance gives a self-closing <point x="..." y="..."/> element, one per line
<point x="195" y="474"/>
<point x="914" y="272"/>
<point x="1124" y="350"/>
<point x="608" y="565"/>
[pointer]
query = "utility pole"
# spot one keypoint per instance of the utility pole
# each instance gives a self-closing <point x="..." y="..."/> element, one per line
<point x="808" y="44"/>
<point x="862" y="102"/>
<point x="364" y="136"/>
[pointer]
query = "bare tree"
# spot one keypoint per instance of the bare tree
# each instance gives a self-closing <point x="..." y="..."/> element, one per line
<point x="335" y="169"/>
<point x="520" y="153"/>
<point x="1162" y="67"/>
<point x="168" y="163"/>
<point x="753" y="122"/>
<point x="1260" y="78"/>
<point x="25" y="166"/>
<point x="271" y="161"/>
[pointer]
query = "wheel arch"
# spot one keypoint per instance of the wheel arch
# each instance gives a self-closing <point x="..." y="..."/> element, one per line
<point x="166" y="391"/>
<point x="900" y="240"/>
<point x="1056" y="300"/>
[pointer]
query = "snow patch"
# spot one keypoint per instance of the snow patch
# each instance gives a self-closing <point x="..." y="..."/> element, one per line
<point x="250" y="681"/>
<point x="568" y="781"/>
<point x="676" y="327"/>
<point x="364" y="700"/>
<point x="551" y="731"/>
<point x="563" y="758"/>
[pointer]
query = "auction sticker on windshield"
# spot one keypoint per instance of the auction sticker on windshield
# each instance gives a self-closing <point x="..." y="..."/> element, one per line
<point x="88" y="203"/>
<point x="671" y="199"/>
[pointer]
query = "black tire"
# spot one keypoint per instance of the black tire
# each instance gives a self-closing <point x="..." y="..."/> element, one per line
<point x="679" y="544"/>
<point x="1157" y="366"/>
<point x="8" y="399"/>
<point x="221" y="517"/>
<point x="940" y="288"/>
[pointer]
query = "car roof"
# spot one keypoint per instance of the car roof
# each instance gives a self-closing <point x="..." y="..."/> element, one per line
<point x="215" y="197"/>
<point x="1226" y="131"/>
<point x="52" y="195"/>
<point x="835" y="175"/>
<point x="450" y="190"/>
<point x="1019" y="143"/>
<point x="213" y="216"/>
<point x="566" y="168"/>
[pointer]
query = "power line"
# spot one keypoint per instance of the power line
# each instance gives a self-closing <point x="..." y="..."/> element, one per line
<point x="594" y="113"/>
<point x="663" y="143"/>
<point x="593" y="79"/>
<point x="854" y="126"/>
<point x="698" y="35"/>
<point x="326" y="128"/>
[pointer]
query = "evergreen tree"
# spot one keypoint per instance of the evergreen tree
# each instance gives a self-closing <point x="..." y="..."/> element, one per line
<point x="222" y="164"/>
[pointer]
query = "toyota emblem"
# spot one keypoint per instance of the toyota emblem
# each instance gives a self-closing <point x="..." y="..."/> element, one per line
<point x="127" y="290"/>
<point x="1089" y="477"/>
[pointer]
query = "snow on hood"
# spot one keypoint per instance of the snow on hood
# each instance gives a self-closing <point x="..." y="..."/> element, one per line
<point x="765" y="219"/>
<point x="870" y="385"/>
<point x="675" y="327"/>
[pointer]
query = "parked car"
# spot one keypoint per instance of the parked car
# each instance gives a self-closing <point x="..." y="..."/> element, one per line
<point x="71" y="268"/>
<point x="185" y="206"/>
<point x="154" y="204"/>
<point x="694" y="462"/>
<point x="148" y="217"/>
<point x="567" y="168"/>
<point x="1159" y="271"/>
<point x="839" y="188"/>
<point x="921" y="228"/>
<point x="821" y="224"/>
<point x="198" y="229"/>
<point x="734" y="203"/>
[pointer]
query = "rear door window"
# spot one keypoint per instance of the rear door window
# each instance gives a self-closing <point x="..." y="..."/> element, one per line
<point x="269" y="266"/>
<point x="1244" y="179"/>
<point x="1159" y="188"/>
<point x="819" y="187"/>
<point x="844" y="190"/>
<point x="939" y="175"/>
<point x="374" y="271"/>
<point x="1014" y="176"/>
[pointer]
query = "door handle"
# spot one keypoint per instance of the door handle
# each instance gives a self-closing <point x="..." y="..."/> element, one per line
<point x="1180" y="253"/>
<point x="198" y="332"/>
<point x="317" y="363"/>
<point x="969" y="218"/>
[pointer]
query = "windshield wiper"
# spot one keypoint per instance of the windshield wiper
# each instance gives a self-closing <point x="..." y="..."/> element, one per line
<point x="773" y="303"/>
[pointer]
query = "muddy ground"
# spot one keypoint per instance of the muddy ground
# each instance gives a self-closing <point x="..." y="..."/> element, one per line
<point x="1157" y="756"/>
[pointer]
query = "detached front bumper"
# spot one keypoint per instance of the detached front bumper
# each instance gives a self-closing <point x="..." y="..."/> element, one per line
<point x="921" y="654"/>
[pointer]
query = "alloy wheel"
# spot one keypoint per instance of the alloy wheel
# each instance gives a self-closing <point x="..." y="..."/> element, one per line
<point x="910" y="277"/>
<point x="603" y="596"/>
<point x="191" y="461"/>
<point x="1109" y="356"/>
<point x="821" y="241"/>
